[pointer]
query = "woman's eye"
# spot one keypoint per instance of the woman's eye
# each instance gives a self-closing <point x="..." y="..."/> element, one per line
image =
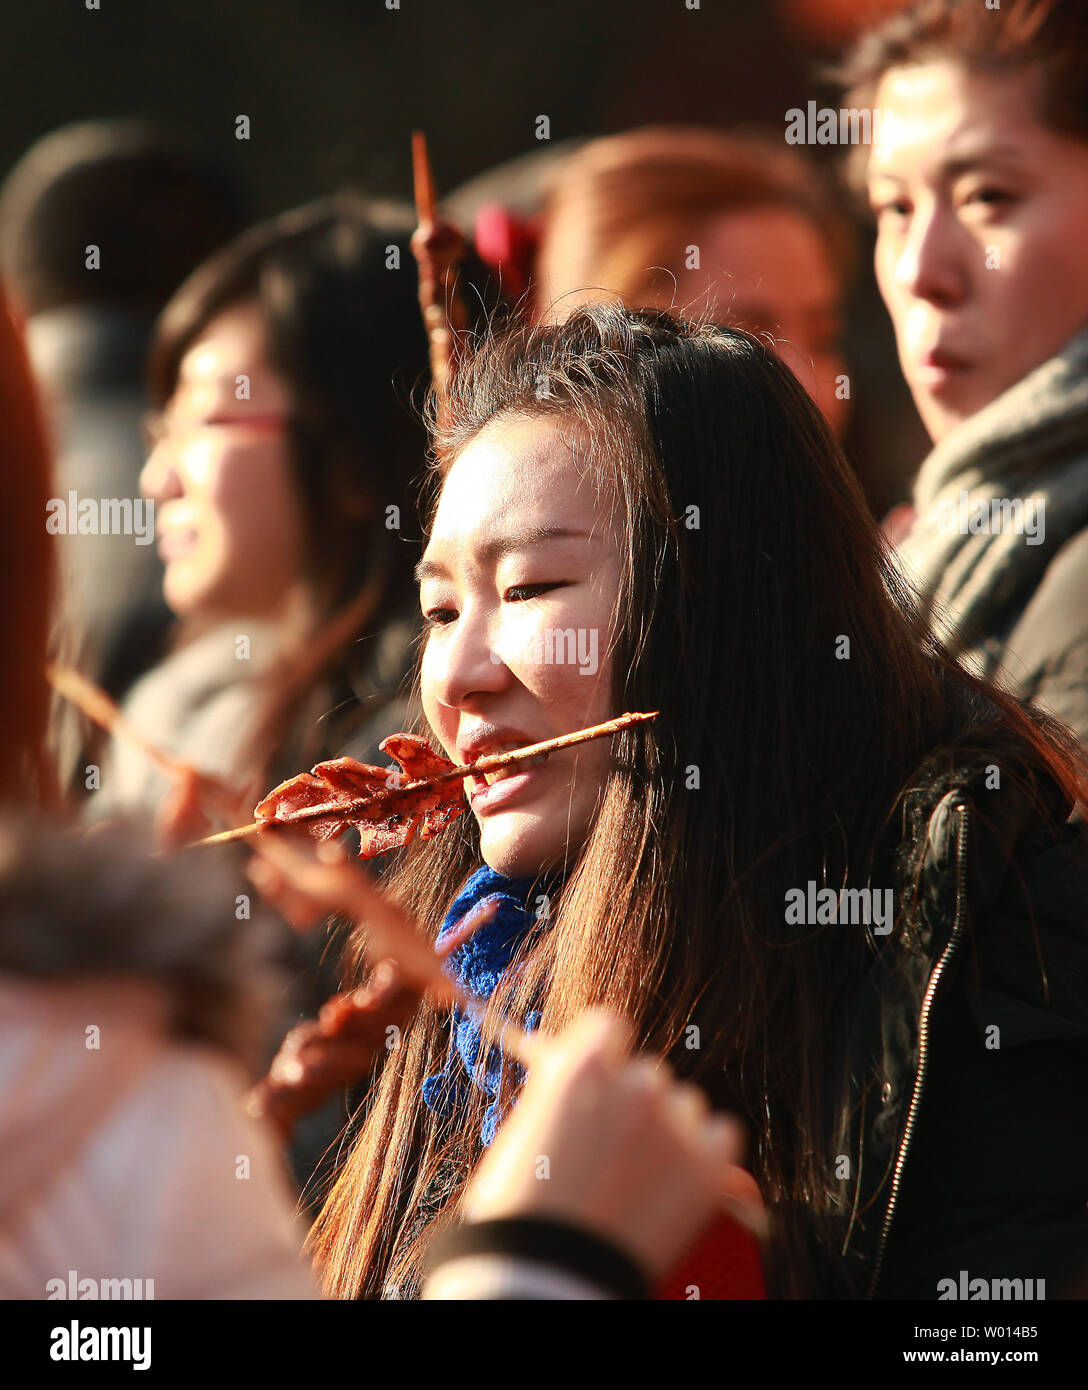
<point x="521" y="592"/>
<point x="989" y="197"/>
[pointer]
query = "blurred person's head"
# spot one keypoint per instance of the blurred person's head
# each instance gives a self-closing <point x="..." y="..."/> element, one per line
<point x="101" y="909"/>
<point x="281" y="372"/>
<point x="978" y="177"/>
<point x="153" y="208"/>
<point x="28" y="577"/>
<point x="737" y="230"/>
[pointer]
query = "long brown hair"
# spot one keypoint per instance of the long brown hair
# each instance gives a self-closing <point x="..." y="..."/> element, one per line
<point x="748" y="559"/>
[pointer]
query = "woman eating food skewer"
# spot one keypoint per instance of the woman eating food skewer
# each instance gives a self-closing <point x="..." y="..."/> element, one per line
<point x="665" y="494"/>
<point x="144" y="1133"/>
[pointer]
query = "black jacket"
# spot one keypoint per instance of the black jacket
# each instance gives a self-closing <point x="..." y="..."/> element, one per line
<point x="963" y="1101"/>
<point x="965" y="1097"/>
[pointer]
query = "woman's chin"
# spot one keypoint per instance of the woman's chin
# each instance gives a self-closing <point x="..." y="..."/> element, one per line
<point x="517" y="855"/>
<point x="511" y="865"/>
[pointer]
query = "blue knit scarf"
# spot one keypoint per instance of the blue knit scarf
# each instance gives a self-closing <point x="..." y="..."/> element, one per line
<point x="477" y="966"/>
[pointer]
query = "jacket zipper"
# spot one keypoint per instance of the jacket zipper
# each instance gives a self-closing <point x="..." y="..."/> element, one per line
<point x="923" y="1040"/>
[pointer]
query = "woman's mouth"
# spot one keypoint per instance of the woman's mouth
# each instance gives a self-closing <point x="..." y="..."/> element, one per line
<point x="490" y="789"/>
<point x="176" y="543"/>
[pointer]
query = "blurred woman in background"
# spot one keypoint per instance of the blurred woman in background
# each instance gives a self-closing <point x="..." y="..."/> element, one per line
<point x="738" y="230"/>
<point x="281" y="468"/>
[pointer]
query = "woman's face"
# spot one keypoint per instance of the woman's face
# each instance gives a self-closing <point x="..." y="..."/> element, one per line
<point x="981" y="211"/>
<point x="766" y="269"/>
<point x="518" y="585"/>
<point x="228" y="517"/>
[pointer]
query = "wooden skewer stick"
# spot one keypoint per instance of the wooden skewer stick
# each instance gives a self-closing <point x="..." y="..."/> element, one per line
<point x="390" y="798"/>
<point x="438" y="247"/>
<point x="101" y="710"/>
<point x="92" y="701"/>
<point x="423" y="180"/>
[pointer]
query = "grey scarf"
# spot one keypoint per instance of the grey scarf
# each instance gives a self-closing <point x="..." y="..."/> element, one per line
<point x="1028" y="447"/>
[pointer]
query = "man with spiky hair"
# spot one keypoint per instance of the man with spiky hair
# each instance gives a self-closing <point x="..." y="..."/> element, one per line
<point x="978" y="181"/>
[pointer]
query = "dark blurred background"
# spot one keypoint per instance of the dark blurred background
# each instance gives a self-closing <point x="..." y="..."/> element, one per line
<point x="333" y="89"/>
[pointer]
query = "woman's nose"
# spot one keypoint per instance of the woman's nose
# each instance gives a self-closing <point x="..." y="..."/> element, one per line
<point x="159" y="478"/>
<point x="463" y="664"/>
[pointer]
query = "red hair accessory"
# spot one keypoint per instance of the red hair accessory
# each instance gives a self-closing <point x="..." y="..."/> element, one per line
<point x="508" y="244"/>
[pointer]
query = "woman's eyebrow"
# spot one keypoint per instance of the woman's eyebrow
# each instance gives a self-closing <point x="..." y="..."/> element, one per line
<point x="982" y="157"/>
<point x="499" y="546"/>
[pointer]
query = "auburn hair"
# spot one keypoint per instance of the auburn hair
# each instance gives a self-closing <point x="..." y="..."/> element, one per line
<point x="623" y="208"/>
